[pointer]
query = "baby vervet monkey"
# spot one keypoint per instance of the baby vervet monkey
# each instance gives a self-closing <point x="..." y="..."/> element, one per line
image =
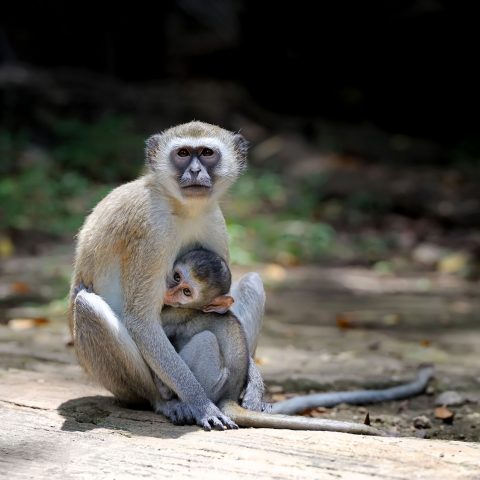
<point x="200" y="281"/>
<point x="215" y="349"/>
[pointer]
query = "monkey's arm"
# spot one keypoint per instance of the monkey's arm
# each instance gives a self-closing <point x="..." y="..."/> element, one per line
<point x="356" y="397"/>
<point x="165" y="362"/>
<point x="246" y="418"/>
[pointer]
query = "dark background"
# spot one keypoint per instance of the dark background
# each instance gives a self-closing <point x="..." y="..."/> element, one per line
<point x="407" y="66"/>
<point x="363" y="117"/>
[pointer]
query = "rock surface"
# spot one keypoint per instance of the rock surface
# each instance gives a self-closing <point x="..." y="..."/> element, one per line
<point x="56" y="423"/>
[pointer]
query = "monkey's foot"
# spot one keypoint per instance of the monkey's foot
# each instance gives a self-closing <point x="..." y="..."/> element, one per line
<point x="81" y="286"/>
<point x="252" y="402"/>
<point x="256" y="405"/>
<point x="266" y="407"/>
<point x="181" y="413"/>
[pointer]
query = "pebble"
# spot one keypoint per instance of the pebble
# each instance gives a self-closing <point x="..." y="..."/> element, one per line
<point x="422" y="422"/>
<point x="450" y="397"/>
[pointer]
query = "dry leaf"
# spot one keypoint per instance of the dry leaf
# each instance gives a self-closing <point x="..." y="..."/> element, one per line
<point x="315" y="412"/>
<point x="443" y="413"/>
<point x="275" y="389"/>
<point x="275" y="272"/>
<point x="367" y="419"/>
<point x="26" y="323"/>
<point x="425" y="343"/>
<point x="343" y="322"/>
<point x="288" y="259"/>
<point x="453" y="263"/>
<point x="391" y="319"/>
<point x="20" y="288"/>
<point x="260" y="360"/>
<point x="6" y="247"/>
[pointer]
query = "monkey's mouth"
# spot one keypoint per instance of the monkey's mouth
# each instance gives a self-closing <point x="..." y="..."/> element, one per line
<point x="196" y="190"/>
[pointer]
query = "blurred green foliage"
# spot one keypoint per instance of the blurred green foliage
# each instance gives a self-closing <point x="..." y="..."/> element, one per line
<point x="271" y="216"/>
<point x="51" y="188"/>
<point x="108" y="150"/>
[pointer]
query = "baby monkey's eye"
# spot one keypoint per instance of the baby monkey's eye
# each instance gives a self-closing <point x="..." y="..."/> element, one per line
<point x="176" y="277"/>
<point x="183" y="152"/>
<point x="187" y="292"/>
<point x="207" y="152"/>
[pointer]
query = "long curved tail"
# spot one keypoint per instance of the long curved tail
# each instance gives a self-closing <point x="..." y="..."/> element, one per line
<point x="356" y="397"/>
<point x="248" y="418"/>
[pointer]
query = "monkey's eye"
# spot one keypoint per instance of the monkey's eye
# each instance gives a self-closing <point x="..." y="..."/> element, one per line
<point x="187" y="292"/>
<point x="183" y="152"/>
<point x="207" y="152"/>
<point x="176" y="277"/>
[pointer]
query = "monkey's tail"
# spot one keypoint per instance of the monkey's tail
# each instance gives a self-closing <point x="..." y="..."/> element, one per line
<point x="248" y="418"/>
<point x="356" y="397"/>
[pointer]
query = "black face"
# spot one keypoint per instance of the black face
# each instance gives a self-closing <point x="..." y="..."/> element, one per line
<point x="195" y="166"/>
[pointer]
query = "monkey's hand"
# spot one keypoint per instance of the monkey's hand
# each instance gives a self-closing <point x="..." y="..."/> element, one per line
<point x="208" y="416"/>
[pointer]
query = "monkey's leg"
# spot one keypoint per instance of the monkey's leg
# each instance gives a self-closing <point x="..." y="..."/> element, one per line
<point x="203" y="357"/>
<point x="253" y="396"/>
<point x="106" y="350"/>
<point x="249" y="306"/>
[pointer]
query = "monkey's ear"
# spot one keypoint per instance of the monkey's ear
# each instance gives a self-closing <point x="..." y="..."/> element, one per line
<point x="151" y="148"/>
<point x="221" y="304"/>
<point x="241" y="146"/>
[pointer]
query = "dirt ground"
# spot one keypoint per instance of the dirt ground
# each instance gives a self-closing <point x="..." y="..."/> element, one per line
<point x="324" y="329"/>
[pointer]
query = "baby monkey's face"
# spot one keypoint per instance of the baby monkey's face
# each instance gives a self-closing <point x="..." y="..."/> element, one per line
<point x="184" y="290"/>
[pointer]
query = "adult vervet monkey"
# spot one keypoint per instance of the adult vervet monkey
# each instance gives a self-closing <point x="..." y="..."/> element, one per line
<point x="125" y="249"/>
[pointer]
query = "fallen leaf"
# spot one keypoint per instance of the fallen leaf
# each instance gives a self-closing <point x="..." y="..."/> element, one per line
<point x="288" y="259"/>
<point x="275" y="272"/>
<point x="425" y="343"/>
<point x="260" y="360"/>
<point x="6" y="247"/>
<point x="443" y="413"/>
<point x="275" y="389"/>
<point x="391" y="319"/>
<point x="343" y="322"/>
<point x="315" y="412"/>
<point x="20" y="288"/>
<point x="367" y="419"/>
<point x="454" y="263"/>
<point x="461" y="306"/>
<point x="26" y="323"/>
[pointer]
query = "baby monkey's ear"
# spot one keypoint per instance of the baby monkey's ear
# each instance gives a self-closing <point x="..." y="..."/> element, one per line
<point x="221" y="304"/>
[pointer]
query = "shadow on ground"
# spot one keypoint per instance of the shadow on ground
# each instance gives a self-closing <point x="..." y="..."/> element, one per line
<point x="101" y="412"/>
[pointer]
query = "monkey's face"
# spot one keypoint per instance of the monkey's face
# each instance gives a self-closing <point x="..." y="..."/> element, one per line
<point x="195" y="167"/>
<point x="196" y="160"/>
<point x="182" y="289"/>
